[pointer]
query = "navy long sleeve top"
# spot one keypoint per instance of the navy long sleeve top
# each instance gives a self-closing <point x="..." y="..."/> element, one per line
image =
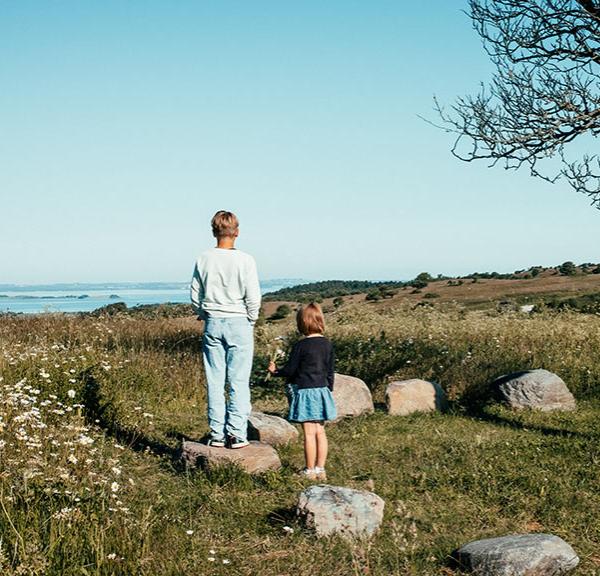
<point x="311" y="363"/>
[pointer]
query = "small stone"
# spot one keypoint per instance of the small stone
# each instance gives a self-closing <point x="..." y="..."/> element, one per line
<point x="270" y="429"/>
<point x="253" y="459"/>
<point x="352" y="397"/>
<point x="518" y="555"/>
<point x="537" y="389"/>
<point x="408" y="396"/>
<point x="337" y="510"/>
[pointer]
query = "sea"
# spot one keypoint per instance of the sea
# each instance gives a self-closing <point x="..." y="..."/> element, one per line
<point x="36" y="299"/>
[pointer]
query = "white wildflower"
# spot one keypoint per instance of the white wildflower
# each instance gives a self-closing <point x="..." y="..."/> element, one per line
<point x="71" y="393"/>
<point x="189" y="532"/>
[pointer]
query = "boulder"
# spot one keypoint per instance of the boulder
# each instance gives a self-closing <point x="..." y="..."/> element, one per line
<point x="336" y="510"/>
<point x="538" y="389"/>
<point x="408" y="396"/>
<point x="256" y="458"/>
<point x="270" y="429"/>
<point x="352" y="397"/>
<point x="518" y="555"/>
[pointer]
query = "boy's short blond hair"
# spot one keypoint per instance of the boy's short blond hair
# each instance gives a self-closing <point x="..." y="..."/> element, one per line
<point x="224" y="224"/>
<point x="310" y="319"/>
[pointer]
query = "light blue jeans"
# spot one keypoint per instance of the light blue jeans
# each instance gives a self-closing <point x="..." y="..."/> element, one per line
<point x="227" y="350"/>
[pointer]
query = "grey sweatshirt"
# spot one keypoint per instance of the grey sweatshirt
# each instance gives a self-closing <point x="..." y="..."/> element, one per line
<point x="225" y="285"/>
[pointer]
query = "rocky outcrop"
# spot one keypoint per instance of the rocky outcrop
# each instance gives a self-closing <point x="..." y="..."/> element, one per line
<point x="408" y="396"/>
<point x="518" y="555"/>
<point x="537" y="389"/>
<point x="336" y="510"/>
<point x="352" y="397"/>
<point x="256" y="458"/>
<point x="270" y="429"/>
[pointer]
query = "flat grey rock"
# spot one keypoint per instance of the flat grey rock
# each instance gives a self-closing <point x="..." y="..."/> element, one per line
<point x="352" y="397"/>
<point x="408" y="396"/>
<point x="256" y="458"/>
<point x="270" y="429"/>
<point x="538" y="389"/>
<point x="332" y="510"/>
<point x="518" y="555"/>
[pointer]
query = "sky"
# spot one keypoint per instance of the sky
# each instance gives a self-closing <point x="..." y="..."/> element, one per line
<point x="125" y="125"/>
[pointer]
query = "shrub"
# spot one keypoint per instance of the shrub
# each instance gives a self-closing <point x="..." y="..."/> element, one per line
<point x="568" y="269"/>
<point x="373" y="296"/>
<point x="283" y="311"/>
<point x="422" y="280"/>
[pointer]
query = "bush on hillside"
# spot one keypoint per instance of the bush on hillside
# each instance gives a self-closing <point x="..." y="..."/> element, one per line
<point x="283" y="311"/>
<point x="568" y="268"/>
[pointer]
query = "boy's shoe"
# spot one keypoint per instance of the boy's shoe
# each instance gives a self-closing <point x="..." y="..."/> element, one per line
<point x="215" y="443"/>
<point x="237" y="443"/>
<point x="308" y="474"/>
<point x="320" y="474"/>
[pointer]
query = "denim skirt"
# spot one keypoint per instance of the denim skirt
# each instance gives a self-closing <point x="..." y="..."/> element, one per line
<point x="310" y="404"/>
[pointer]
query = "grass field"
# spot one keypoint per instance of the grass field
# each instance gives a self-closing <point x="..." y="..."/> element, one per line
<point x="93" y="411"/>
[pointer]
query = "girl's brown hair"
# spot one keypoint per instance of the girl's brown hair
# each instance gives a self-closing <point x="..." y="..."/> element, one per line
<point x="310" y="319"/>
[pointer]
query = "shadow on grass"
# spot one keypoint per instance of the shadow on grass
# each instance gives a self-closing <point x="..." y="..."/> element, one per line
<point x="282" y="517"/>
<point x="101" y="412"/>
<point x="514" y="420"/>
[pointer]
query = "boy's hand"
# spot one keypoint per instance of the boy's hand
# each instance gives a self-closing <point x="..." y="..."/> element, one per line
<point x="272" y="367"/>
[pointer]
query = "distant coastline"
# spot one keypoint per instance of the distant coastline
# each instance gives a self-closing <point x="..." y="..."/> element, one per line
<point x="86" y="297"/>
<point x="113" y="287"/>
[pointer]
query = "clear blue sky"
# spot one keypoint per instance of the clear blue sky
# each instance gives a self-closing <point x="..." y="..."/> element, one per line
<point x="125" y="125"/>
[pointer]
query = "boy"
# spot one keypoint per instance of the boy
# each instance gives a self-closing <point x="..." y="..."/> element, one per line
<point x="226" y="294"/>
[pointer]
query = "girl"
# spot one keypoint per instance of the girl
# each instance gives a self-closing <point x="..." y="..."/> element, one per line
<point x="309" y="372"/>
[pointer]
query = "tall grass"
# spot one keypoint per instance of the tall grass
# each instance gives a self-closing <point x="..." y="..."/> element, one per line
<point x="93" y="410"/>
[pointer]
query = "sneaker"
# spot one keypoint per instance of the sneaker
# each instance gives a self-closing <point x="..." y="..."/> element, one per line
<point x="216" y="443"/>
<point x="320" y="474"/>
<point x="237" y="443"/>
<point x="308" y="474"/>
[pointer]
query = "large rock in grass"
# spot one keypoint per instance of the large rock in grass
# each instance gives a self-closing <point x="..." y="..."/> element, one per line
<point x="352" y="397"/>
<point x="256" y="458"/>
<point x="537" y="389"/>
<point x="336" y="510"/>
<point x="408" y="396"/>
<point x="518" y="555"/>
<point x="270" y="429"/>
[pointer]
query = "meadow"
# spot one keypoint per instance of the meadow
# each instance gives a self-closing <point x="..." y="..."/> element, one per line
<point x="93" y="411"/>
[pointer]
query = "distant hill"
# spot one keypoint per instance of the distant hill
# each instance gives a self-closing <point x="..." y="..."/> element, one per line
<point x="475" y="286"/>
<point x="315" y="291"/>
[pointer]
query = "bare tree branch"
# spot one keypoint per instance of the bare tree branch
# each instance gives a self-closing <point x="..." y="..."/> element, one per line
<point x="545" y="92"/>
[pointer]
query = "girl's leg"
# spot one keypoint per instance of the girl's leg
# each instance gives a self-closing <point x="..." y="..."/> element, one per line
<point x="322" y="444"/>
<point x="310" y="443"/>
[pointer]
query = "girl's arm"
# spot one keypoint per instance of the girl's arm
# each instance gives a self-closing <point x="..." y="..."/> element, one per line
<point x="331" y="369"/>
<point x="290" y="368"/>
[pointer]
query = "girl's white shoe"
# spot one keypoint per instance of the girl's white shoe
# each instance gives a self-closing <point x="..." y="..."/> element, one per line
<point x="320" y="474"/>
<point x="308" y="474"/>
